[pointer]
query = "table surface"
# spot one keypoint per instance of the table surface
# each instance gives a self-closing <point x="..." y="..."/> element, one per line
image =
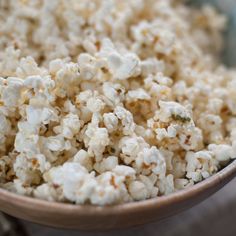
<point x="213" y="217"/>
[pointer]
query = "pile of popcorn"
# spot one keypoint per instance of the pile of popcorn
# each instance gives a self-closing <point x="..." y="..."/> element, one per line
<point x="105" y="101"/>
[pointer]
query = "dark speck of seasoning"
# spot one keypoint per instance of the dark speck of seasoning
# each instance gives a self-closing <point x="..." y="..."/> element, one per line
<point x="104" y="70"/>
<point x="180" y="118"/>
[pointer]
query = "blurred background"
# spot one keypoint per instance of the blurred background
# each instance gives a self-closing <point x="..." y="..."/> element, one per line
<point x="213" y="217"/>
<point x="227" y="7"/>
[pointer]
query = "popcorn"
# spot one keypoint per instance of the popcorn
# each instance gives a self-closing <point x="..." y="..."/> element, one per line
<point x="138" y="191"/>
<point x="200" y="165"/>
<point x="106" y="102"/>
<point x="11" y="94"/>
<point x="152" y="191"/>
<point x="173" y="110"/>
<point x="95" y="104"/>
<point x="27" y="67"/>
<point x="137" y="94"/>
<point x="130" y="147"/>
<point x="84" y="186"/>
<point x="11" y="61"/>
<point x="37" y="116"/>
<point x="57" y="143"/>
<point x="5" y="125"/>
<point x="28" y="169"/>
<point x="125" y="171"/>
<point x="17" y="186"/>
<point x="106" y="164"/>
<point x="110" y="189"/>
<point x="48" y="192"/>
<point x="97" y="140"/>
<point x="70" y="126"/>
<point x="152" y="159"/>
<point x="166" y="185"/>
<point x="72" y="178"/>
<point x="114" y="93"/>
<point x="126" y="119"/>
<point x="67" y="78"/>
<point x="120" y="66"/>
<point x="83" y="158"/>
<point x="110" y="121"/>
<point x="151" y="66"/>
<point x="222" y="152"/>
<point x="183" y="183"/>
<point x="5" y="164"/>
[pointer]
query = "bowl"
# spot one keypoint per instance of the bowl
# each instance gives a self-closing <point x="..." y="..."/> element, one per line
<point x="88" y="217"/>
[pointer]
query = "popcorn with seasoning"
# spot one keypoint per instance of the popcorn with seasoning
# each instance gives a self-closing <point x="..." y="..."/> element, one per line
<point x="106" y="102"/>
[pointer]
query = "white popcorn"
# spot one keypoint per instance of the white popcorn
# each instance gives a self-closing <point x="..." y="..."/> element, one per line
<point x="67" y="79"/>
<point x="173" y="110"/>
<point x="120" y="66"/>
<point x="48" y="192"/>
<point x="125" y="171"/>
<point x="11" y="94"/>
<point x="126" y="119"/>
<point x="137" y="94"/>
<point x="200" y="165"/>
<point x="152" y="191"/>
<point x="77" y="184"/>
<point x="210" y="122"/>
<point x="114" y="93"/>
<point x="28" y="67"/>
<point x="70" y="126"/>
<point x="26" y="143"/>
<point x="170" y="132"/>
<point x="97" y="141"/>
<point x="183" y="183"/>
<point x="110" y="121"/>
<point x="28" y="169"/>
<point x="152" y="158"/>
<point x="37" y="116"/>
<point x="95" y="104"/>
<point x="19" y="187"/>
<point x="35" y="82"/>
<point x="191" y="139"/>
<point x="131" y="146"/>
<point x="5" y="125"/>
<point x="222" y="152"/>
<point x="109" y="189"/>
<point x="55" y="66"/>
<point x="110" y="162"/>
<point x="151" y="66"/>
<point x="113" y="101"/>
<point x="138" y="190"/>
<point x="106" y="164"/>
<point x="166" y="185"/>
<point x="87" y="65"/>
<point x="57" y="143"/>
<point x="84" y="159"/>
<point x="10" y="62"/>
<point x="85" y="187"/>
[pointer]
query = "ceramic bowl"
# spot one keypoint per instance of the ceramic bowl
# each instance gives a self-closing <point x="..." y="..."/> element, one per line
<point x="131" y="214"/>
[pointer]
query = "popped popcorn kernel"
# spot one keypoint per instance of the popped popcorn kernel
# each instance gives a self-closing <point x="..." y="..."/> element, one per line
<point x="106" y="102"/>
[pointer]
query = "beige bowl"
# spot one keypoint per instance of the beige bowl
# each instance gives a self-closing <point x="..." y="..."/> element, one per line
<point x="111" y="217"/>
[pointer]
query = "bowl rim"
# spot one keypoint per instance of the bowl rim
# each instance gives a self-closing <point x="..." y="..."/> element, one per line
<point x="221" y="177"/>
